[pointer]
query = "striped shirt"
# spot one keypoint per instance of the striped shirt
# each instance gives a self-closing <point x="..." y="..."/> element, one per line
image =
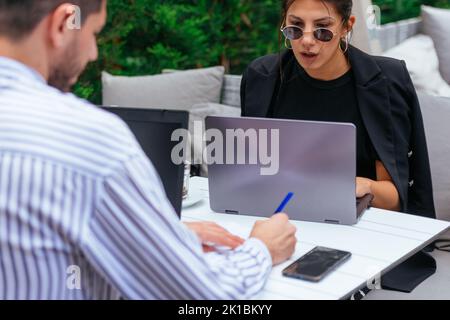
<point x="83" y="214"/>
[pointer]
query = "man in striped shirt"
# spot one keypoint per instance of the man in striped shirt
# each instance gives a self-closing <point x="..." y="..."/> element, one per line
<point x="78" y="197"/>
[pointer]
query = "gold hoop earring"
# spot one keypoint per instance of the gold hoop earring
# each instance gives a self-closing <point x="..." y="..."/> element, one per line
<point x="287" y="45"/>
<point x="346" y="41"/>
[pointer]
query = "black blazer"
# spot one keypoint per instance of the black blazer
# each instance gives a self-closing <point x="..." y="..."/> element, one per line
<point x="391" y="113"/>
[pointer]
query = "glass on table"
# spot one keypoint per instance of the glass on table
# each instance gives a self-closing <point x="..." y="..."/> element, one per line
<point x="186" y="178"/>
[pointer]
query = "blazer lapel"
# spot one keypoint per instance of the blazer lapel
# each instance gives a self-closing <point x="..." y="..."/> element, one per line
<point x="373" y="98"/>
<point x="259" y="96"/>
<point x="264" y="81"/>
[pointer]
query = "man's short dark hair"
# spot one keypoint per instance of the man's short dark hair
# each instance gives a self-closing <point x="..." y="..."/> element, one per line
<point x="18" y="18"/>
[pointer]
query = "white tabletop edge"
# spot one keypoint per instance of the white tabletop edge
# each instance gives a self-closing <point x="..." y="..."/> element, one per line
<point x="436" y="228"/>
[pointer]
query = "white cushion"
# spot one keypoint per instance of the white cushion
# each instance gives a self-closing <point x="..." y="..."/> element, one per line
<point x="436" y="24"/>
<point x="423" y="64"/>
<point x="179" y="90"/>
<point x="436" y="117"/>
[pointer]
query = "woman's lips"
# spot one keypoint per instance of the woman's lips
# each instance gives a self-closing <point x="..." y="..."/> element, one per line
<point x="309" y="57"/>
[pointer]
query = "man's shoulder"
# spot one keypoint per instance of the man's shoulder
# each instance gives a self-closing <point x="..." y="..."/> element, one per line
<point x="86" y="116"/>
<point x="64" y="128"/>
<point x="93" y="116"/>
<point x="98" y="126"/>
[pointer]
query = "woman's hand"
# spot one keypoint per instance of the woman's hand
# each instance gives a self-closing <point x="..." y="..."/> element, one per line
<point x="211" y="235"/>
<point x="363" y="187"/>
<point x="383" y="189"/>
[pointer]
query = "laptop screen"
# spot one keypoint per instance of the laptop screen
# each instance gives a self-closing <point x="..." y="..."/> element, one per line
<point x="153" y="130"/>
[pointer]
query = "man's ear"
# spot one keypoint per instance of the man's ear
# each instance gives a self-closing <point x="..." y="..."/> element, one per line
<point x="60" y="24"/>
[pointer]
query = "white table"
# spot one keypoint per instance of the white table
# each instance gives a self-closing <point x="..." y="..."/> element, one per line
<point x="378" y="243"/>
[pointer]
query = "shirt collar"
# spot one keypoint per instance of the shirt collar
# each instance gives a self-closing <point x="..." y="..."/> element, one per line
<point x="11" y="68"/>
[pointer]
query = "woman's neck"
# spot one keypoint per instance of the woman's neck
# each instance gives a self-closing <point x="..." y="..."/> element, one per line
<point x="335" y="68"/>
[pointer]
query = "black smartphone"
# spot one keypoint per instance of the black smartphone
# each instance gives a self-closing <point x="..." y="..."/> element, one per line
<point x="316" y="264"/>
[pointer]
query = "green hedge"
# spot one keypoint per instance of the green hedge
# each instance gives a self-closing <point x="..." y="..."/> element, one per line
<point x="146" y="36"/>
<point x="394" y="10"/>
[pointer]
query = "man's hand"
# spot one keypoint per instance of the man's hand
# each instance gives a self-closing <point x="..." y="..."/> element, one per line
<point x="211" y="233"/>
<point x="278" y="235"/>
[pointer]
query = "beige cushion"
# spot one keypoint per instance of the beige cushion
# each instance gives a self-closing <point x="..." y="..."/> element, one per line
<point x="436" y="24"/>
<point x="179" y="90"/>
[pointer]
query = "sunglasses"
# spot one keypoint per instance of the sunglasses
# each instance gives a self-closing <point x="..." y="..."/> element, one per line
<point x="295" y="33"/>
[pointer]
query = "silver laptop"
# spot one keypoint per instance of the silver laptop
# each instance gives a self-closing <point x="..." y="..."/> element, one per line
<point x="316" y="162"/>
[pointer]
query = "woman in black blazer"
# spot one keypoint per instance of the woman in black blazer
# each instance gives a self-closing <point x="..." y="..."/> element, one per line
<point x="321" y="77"/>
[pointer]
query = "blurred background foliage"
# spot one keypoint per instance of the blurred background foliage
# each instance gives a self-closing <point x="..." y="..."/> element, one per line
<point x="146" y="36"/>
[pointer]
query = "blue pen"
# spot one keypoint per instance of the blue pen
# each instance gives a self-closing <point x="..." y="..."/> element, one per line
<point x="284" y="203"/>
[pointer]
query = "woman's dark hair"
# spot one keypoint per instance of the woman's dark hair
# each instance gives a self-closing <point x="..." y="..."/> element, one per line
<point x="343" y="8"/>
